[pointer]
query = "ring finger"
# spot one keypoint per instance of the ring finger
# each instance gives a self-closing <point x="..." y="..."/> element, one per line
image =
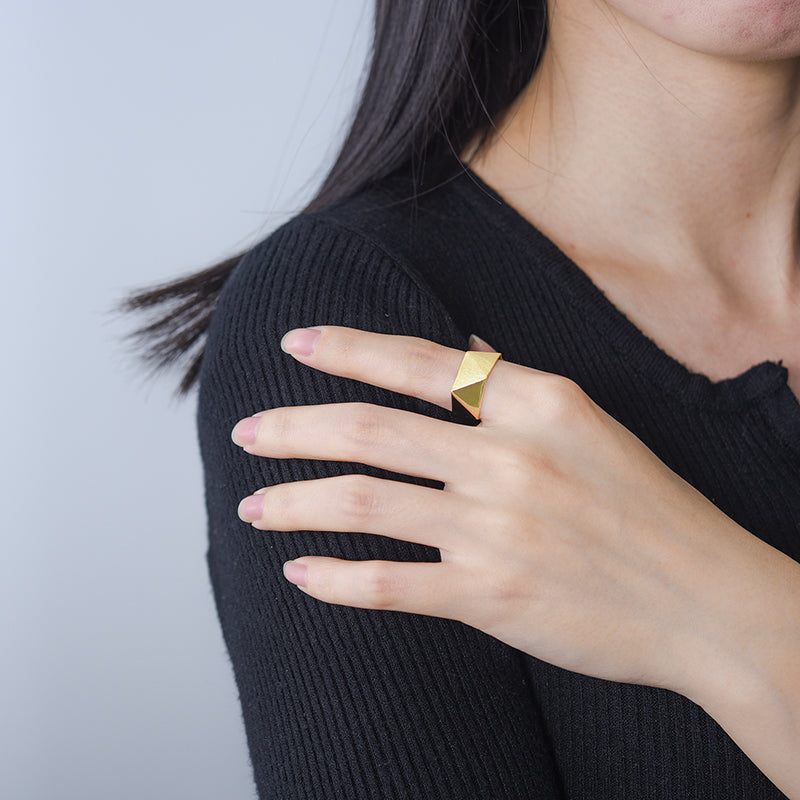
<point x="361" y="503"/>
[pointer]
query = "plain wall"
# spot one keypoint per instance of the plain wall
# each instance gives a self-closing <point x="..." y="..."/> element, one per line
<point x="140" y="141"/>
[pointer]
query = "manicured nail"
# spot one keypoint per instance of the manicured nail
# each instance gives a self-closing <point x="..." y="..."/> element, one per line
<point x="301" y="341"/>
<point x="295" y="573"/>
<point x="251" y="507"/>
<point x="245" y="431"/>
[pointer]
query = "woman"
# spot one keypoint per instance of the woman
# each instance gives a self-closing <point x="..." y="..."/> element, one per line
<point x="604" y="600"/>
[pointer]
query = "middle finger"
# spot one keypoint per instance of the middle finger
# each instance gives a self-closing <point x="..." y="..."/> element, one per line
<point x="390" y="438"/>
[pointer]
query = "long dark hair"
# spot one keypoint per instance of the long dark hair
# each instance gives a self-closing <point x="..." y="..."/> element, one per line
<point x="440" y="71"/>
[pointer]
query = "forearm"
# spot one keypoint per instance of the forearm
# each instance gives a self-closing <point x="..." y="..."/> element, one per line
<point x="746" y="655"/>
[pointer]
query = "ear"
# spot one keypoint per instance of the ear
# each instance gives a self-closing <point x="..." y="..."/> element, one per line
<point x="476" y="343"/>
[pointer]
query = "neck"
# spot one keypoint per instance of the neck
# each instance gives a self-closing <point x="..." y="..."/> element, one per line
<point x="657" y="158"/>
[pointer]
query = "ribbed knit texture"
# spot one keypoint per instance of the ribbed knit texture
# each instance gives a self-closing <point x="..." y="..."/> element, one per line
<point x="359" y="704"/>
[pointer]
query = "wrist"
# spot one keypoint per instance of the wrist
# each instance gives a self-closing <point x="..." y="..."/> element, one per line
<point x="742" y="649"/>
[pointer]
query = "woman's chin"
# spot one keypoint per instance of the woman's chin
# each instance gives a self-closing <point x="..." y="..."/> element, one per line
<point x="743" y="30"/>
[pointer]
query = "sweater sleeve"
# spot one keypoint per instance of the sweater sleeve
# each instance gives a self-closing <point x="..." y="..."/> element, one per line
<point x="342" y="702"/>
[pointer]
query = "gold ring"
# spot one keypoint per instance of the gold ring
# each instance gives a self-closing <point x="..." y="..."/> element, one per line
<point x="466" y="395"/>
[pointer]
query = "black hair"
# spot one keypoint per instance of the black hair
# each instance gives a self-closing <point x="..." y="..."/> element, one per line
<point x="440" y="72"/>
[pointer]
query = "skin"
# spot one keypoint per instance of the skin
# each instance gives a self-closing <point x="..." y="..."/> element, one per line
<point x="670" y="175"/>
<point x="658" y="146"/>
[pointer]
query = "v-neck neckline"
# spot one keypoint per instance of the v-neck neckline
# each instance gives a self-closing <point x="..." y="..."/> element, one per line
<point x="765" y="382"/>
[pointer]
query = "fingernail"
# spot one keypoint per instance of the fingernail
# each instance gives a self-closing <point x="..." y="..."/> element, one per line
<point x="473" y="339"/>
<point x="250" y="508"/>
<point x="245" y="431"/>
<point x="301" y="341"/>
<point x="295" y="573"/>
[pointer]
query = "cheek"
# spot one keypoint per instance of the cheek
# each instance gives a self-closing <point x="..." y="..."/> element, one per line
<point x="746" y="29"/>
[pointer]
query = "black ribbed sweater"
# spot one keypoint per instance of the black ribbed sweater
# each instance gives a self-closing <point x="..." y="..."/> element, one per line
<point x="341" y="702"/>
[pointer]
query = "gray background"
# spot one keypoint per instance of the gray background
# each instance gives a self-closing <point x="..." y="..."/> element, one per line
<point x="139" y="141"/>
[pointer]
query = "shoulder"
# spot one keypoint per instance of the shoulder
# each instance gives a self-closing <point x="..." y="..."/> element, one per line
<point x="315" y="253"/>
<point x="348" y="265"/>
<point x="388" y="233"/>
<point x="349" y="241"/>
<point x="312" y="271"/>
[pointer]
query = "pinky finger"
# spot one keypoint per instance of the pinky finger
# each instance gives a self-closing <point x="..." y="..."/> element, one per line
<point x="415" y="587"/>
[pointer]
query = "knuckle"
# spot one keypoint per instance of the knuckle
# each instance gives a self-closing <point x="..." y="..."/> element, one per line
<point x="423" y="362"/>
<point x="281" y="508"/>
<point x="341" y="345"/>
<point x="379" y="588"/>
<point x="358" y="497"/>
<point x="560" y="399"/>
<point x="514" y="589"/>
<point x="491" y="603"/>
<point x="280" y="426"/>
<point x="365" y="426"/>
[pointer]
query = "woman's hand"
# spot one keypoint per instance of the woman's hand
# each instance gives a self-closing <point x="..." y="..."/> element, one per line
<point x="560" y="533"/>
